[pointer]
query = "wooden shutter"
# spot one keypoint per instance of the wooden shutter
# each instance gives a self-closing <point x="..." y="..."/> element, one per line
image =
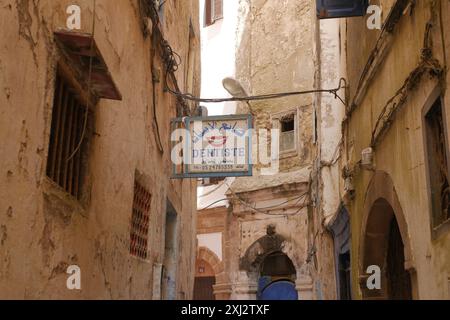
<point x="208" y="12"/>
<point x="203" y="288"/>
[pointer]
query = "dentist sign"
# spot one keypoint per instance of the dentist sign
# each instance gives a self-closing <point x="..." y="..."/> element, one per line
<point x="212" y="146"/>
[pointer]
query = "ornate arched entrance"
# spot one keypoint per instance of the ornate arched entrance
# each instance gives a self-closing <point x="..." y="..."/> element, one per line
<point x="277" y="278"/>
<point x="385" y="243"/>
<point x="271" y="273"/>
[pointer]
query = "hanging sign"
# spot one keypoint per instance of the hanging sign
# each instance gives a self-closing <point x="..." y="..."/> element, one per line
<point x="217" y="146"/>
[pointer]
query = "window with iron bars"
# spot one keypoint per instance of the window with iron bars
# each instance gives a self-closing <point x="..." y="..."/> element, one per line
<point x="68" y="134"/>
<point x="140" y="222"/>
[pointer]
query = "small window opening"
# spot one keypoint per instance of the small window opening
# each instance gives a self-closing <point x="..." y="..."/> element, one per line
<point x="287" y="125"/>
<point x="66" y="165"/>
<point x="140" y="222"/>
<point x="287" y="135"/>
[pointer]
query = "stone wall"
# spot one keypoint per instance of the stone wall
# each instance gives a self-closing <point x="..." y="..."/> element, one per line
<point x="400" y="151"/>
<point x="41" y="235"/>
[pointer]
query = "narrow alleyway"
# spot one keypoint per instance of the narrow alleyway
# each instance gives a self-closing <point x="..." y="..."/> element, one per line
<point x="239" y="150"/>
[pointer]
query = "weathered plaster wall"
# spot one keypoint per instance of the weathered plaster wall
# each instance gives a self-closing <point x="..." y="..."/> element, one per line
<point x="41" y="236"/>
<point x="401" y="151"/>
<point x="326" y="192"/>
<point x="211" y="228"/>
<point x="276" y="53"/>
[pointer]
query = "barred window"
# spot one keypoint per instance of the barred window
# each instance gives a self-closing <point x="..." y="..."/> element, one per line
<point x="140" y="222"/>
<point x="68" y="138"/>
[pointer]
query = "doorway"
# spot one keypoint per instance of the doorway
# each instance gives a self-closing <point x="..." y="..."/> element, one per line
<point x="277" y="278"/>
<point x="399" y="280"/>
<point x="170" y="254"/>
<point x="340" y="229"/>
<point x="384" y="247"/>
<point x="204" y="282"/>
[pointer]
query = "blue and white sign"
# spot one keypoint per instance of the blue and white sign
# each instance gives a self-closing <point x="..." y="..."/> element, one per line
<point x="217" y="146"/>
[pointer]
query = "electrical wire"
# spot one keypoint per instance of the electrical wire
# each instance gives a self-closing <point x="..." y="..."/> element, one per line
<point x="155" y="116"/>
<point x="441" y="23"/>
<point x="298" y="198"/>
<point x="336" y="155"/>
<point x="388" y="27"/>
<point x="217" y="187"/>
<point x="172" y="60"/>
<point x="428" y="64"/>
<point x="210" y="205"/>
<point x="313" y="250"/>
<point x="191" y="97"/>
<point x="259" y="210"/>
<point x="86" y="114"/>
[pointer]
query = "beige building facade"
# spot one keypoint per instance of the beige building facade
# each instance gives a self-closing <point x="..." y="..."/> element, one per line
<point x="395" y="152"/>
<point x="92" y="189"/>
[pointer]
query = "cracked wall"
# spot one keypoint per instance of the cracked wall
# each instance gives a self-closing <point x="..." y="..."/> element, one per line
<point x="42" y="230"/>
<point x="401" y="153"/>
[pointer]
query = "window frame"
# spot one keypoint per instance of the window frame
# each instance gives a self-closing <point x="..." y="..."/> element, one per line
<point x="136" y="222"/>
<point x="67" y="73"/>
<point x="444" y="227"/>
<point x="276" y="120"/>
<point x="213" y="17"/>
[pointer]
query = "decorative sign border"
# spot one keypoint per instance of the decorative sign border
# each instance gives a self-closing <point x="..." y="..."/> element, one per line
<point x="187" y="122"/>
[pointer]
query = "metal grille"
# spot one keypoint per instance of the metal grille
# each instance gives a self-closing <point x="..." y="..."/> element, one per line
<point x="66" y="131"/>
<point x="140" y="221"/>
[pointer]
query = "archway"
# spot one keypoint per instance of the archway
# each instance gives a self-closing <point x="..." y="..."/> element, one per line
<point x="385" y="243"/>
<point x="205" y="279"/>
<point x="267" y="264"/>
<point x="340" y="229"/>
<point x="277" y="278"/>
<point x="210" y="276"/>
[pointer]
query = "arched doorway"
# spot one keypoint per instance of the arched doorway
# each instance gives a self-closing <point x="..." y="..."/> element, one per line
<point x="277" y="279"/>
<point x="268" y="270"/>
<point x="385" y="243"/>
<point x="398" y="279"/>
<point x="205" y="279"/>
<point x="340" y="229"/>
<point x="211" y="282"/>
